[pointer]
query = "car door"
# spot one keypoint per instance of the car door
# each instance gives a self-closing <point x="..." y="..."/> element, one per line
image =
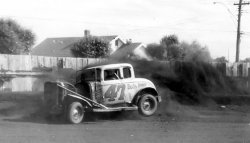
<point x="112" y="87"/>
<point x="131" y="87"/>
<point x="89" y="85"/>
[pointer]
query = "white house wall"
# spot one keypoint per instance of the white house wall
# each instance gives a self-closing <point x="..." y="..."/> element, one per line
<point x="140" y="52"/>
<point x="113" y="46"/>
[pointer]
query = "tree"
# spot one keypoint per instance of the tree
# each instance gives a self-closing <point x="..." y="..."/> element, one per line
<point x="91" y="47"/>
<point x="195" y="52"/>
<point x="171" y="45"/>
<point x="220" y="60"/>
<point x="168" y="49"/>
<point x="169" y="40"/>
<point x="15" y="39"/>
<point x="246" y="60"/>
<point x="155" y="51"/>
<point x="171" y="49"/>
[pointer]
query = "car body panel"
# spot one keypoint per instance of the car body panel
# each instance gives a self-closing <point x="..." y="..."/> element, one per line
<point x="105" y="94"/>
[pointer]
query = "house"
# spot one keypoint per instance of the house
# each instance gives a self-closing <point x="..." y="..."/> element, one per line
<point x="131" y="50"/>
<point x="61" y="46"/>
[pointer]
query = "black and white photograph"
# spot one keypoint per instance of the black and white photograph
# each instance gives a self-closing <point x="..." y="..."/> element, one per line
<point x="125" y="71"/>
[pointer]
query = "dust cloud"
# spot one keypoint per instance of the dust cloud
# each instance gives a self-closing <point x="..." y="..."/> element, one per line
<point x="190" y="82"/>
<point x="180" y="84"/>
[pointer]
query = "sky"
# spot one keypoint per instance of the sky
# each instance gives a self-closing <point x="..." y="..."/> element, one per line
<point x="146" y="21"/>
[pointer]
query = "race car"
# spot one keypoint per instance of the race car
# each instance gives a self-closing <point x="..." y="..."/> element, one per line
<point x="103" y="88"/>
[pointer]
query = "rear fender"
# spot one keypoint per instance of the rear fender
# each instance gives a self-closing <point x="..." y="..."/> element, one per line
<point x="73" y="98"/>
<point x="84" y="100"/>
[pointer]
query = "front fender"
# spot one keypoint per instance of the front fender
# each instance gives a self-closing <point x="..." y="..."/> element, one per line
<point x="149" y="90"/>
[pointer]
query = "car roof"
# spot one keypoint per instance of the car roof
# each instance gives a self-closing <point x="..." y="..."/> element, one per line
<point x="107" y="66"/>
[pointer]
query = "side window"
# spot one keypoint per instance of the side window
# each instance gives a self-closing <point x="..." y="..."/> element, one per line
<point x="88" y="75"/>
<point x="91" y="75"/>
<point x="111" y="74"/>
<point x="127" y="72"/>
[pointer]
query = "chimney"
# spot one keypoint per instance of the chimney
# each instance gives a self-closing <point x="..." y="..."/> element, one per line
<point x="86" y="33"/>
<point x="129" y="41"/>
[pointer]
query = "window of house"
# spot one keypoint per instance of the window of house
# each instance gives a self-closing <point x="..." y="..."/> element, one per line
<point x="116" y="42"/>
<point x="112" y="74"/>
<point x="127" y="72"/>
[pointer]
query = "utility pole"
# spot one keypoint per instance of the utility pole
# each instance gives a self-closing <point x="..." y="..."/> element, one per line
<point x="238" y="28"/>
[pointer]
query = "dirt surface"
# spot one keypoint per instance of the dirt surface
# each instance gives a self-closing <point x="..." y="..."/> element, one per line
<point x="22" y="121"/>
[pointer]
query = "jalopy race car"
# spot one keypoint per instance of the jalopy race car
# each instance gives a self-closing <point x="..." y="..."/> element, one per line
<point x="105" y="88"/>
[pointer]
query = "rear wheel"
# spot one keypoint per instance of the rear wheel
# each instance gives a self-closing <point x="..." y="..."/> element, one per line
<point x="147" y="105"/>
<point x="75" y="113"/>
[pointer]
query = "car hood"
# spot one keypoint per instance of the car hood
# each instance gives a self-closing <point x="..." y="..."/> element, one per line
<point x="145" y="82"/>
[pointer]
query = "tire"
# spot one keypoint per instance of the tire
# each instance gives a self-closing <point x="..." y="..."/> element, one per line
<point x="147" y="105"/>
<point x="75" y="113"/>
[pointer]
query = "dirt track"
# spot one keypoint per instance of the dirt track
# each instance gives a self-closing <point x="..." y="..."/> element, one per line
<point x="22" y="122"/>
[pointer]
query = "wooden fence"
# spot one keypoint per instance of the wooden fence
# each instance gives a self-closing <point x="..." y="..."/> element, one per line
<point x="22" y="72"/>
<point x="241" y="70"/>
<point x="26" y="65"/>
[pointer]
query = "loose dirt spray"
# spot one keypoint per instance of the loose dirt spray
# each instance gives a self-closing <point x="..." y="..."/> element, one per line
<point x="179" y="83"/>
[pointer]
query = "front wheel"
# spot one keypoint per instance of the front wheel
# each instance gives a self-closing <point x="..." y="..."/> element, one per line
<point x="75" y="113"/>
<point x="147" y="105"/>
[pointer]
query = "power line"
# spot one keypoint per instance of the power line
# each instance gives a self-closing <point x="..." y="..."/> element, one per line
<point x="232" y="16"/>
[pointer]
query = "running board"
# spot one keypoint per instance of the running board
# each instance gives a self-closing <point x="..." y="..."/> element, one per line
<point x="113" y="109"/>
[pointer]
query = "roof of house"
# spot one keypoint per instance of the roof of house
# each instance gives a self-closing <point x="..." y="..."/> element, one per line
<point x="126" y="49"/>
<point x="61" y="47"/>
<point x="107" y="38"/>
